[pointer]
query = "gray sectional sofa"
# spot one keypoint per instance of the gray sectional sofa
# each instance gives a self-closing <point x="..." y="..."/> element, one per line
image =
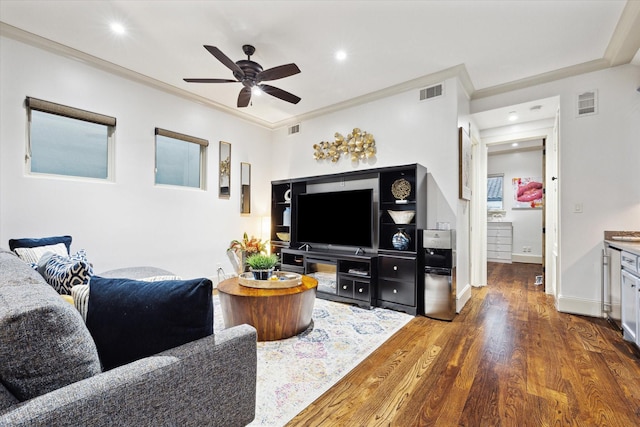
<point x="50" y="374"/>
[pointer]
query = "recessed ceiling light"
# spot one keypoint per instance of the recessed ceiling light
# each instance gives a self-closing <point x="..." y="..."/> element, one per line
<point x="515" y="144"/>
<point x="341" y="55"/>
<point x="117" y="28"/>
<point x="513" y="116"/>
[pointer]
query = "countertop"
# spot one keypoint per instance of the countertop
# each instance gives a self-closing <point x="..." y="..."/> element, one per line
<point x="633" y="247"/>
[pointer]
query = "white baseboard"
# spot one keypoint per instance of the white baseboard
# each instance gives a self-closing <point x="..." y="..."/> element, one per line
<point x="463" y="297"/>
<point x="579" y="306"/>
<point x="528" y="259"/>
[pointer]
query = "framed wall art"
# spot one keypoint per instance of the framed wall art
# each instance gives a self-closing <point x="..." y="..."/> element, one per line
<point x="224" y="172"/>
<point x="464" y="165"/>
<point x="527" y="193"/>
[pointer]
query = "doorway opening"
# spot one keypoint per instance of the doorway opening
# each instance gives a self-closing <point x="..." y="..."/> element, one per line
<point x="535" y="132"/>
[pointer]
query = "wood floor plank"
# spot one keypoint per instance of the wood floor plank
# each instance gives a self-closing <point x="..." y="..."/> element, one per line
<point x="509" y="358"/>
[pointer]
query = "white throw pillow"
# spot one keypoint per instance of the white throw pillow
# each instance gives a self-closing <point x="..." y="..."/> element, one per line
<point x="33" y="255"/>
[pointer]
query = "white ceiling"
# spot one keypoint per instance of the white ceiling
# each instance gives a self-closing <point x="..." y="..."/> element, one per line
<point x="491" y="45"/>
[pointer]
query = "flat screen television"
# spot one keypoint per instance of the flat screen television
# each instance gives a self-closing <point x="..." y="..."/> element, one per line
<point x="335" y="218"/>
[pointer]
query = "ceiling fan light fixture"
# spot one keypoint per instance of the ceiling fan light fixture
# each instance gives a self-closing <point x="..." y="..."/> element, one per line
<point x="251" y="75"/>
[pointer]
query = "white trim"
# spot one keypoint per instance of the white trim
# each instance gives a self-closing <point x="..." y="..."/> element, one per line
<point x="527" y="259"/>
<point x="579" y="306"/>
<point x="463" y="297"/>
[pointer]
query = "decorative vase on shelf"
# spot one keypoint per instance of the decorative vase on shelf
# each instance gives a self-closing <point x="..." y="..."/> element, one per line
<point x="286" y="217"/>
<point x="400" y="240"/>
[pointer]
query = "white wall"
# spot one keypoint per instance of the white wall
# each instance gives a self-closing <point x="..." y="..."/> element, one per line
<point x="598" y="168"/>
<point x="527" y="223"/>
<point x="130" y="221"/>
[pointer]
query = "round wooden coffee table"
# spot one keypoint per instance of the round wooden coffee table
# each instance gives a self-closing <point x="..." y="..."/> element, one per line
<point x="275" y="313"/>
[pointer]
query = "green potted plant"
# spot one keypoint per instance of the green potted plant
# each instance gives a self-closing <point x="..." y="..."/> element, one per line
<point x="262" y="265"/>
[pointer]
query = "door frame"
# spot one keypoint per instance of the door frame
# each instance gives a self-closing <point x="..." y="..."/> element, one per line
<point x="479" y="203"/>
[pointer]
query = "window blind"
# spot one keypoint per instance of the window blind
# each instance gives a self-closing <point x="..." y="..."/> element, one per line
<point x="182" y="137"/>
<point x="74" y="113"/>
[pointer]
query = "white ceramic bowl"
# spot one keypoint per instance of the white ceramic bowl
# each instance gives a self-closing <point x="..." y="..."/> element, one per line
<point x="402" y="217"/>
<point x="283" y="236"/>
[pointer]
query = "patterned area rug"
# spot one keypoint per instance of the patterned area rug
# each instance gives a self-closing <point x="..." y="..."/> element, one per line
<point x="294" y="372"/>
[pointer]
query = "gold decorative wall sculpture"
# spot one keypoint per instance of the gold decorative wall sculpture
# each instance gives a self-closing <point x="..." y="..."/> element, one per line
<point x="358" y="144"/>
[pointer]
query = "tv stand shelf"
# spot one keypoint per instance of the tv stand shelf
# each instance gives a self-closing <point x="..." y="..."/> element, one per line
<point x="387" y="271"/>
<point x="341" y="276"/>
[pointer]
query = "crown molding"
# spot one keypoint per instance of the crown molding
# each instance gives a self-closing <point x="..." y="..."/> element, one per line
<point x="562" y="73"/>
<point x="623" y="46"/>
<point x="625" y="41"/>
<point x="68" y="52"/>
<point x="459" y="71"/>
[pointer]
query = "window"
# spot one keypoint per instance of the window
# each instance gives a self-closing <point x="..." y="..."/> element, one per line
<point x="494" y="192"/>
<point x="68" y="141"/>
<point x="180" y="159"/>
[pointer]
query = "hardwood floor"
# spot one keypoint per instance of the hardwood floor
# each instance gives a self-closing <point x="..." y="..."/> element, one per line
<point x="509" y="359"/>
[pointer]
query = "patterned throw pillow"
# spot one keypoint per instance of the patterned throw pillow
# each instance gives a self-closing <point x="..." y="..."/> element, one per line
<point x="80" y="295"/>
<point x="62" y="273"/>
<point x="33" y="255"/>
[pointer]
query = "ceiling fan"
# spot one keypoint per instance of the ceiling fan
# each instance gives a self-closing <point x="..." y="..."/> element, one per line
<point x="251" y="75"/>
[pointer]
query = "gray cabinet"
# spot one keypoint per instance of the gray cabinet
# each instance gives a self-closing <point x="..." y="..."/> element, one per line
<point x="630" y="282"/>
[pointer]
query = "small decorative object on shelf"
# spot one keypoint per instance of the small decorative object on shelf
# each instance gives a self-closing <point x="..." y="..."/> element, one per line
<point x="401" y="188"/>
<point x="400" y="240"/>
<point x="401" y="217"/>
<point x="359" y="144"/>
<point x="287" y="196"/>
<point x="283" y="236"/>
<point x="286" y="217"/>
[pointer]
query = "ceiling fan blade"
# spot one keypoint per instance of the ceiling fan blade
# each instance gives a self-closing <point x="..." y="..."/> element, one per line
<point x="224" y="59"/>
<point x="279" y="93"/>
<point x="244" y="97"/>
<point x="210" y="81"/>
<point x="276" y="73"/>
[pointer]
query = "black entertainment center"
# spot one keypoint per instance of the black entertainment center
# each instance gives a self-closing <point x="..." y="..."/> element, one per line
<point x="340" y="231"/>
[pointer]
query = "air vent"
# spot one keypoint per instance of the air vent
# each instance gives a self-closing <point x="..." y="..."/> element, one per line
<point x="294" y="129"/>
<point x="431" y="92"/>
<point x="587" y="103"/>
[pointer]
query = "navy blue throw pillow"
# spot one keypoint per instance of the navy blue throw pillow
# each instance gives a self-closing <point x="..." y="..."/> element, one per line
<point x="43" y="241"/>
<point x="131" y="319"/>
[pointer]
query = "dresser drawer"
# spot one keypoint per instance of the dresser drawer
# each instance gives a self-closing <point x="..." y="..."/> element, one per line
<point x="498" y="247"/>
<point x="397" y="268"/>
<point x="499" y="232"/>
<point x="492" y="241"/>
<point x="499" y="255"/>
<point x="397" y="292"/>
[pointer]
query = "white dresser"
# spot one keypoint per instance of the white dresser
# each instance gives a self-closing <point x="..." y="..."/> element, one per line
<point x="499" y="241"/>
